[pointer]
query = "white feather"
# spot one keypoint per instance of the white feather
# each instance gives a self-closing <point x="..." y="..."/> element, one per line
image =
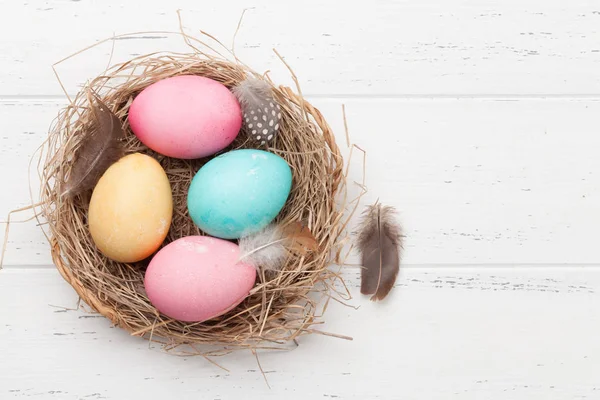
<point x="252" y="93"/>
<point x="264" y="249"/>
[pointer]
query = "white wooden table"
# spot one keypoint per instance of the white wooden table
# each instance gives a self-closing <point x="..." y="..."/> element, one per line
<point x="481" y="122"/>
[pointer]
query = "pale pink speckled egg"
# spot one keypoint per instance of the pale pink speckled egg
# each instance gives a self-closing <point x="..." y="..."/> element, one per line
<point x="197" y="278"/>
<point x="186" y="116"/>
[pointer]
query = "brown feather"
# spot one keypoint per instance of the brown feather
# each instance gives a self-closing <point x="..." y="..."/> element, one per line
<point x="380" y="244"/>
<point x="100" y="148"/>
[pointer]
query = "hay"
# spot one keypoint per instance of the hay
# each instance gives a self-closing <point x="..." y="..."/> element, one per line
<point x="280" y="307"/>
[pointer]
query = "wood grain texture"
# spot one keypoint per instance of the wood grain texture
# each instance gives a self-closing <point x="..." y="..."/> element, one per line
<point x="476" y="181"/>
<point x="461" y="333"/>
<point x="383" y="48"/>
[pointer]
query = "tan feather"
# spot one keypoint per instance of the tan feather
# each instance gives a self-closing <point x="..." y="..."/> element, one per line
<point x="380" y="244"/>
<point x="100" y="148"/>
<point x="300" y="239"/>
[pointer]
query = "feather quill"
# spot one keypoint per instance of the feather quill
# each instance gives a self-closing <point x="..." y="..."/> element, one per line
<point x="100" y="148"/>
<point x="269" y="248"/>
<point x="380" y="244"/>
<point x="262" y="114"/>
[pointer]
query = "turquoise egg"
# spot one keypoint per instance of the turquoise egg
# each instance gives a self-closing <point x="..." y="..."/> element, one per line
<point x="239" y="192"/>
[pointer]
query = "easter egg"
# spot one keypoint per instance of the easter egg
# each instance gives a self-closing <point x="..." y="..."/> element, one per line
<point x="131" y="208"/>
<point x="186" y="116"/>
<point x="196" y="278"/>
<point x="239" y="192"/>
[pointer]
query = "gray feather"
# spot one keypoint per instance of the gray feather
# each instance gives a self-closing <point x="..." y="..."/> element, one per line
<point x="380" y="244"/>
<point x="101" y="146"/>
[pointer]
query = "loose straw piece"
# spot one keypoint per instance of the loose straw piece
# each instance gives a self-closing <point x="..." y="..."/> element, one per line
<point x="7" y="228"/>
<point x="260" y="367"/>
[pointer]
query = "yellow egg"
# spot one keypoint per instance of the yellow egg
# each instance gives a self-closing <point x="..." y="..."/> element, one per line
<point x="131" y="209"/>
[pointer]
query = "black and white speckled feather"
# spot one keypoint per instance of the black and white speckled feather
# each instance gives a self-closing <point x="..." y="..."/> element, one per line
<point x="261" y="113"/>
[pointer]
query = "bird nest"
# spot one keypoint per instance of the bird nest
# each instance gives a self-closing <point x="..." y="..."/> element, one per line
<point x="282" y="305"/>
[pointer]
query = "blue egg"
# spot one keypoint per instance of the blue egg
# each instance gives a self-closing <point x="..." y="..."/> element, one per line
<point x="239" y="192"/>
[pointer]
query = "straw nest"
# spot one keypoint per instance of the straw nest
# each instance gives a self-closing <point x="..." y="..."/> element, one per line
<point x="281" y="306"/>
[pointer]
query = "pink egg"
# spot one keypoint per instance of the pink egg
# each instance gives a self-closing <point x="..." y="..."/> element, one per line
<point x="196" y="278"/>
<point x="186" y="116"/>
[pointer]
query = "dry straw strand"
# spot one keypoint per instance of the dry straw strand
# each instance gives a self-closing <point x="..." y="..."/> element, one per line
<point x="281" y="306"/>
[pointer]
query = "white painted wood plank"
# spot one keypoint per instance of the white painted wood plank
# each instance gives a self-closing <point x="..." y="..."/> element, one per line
<point x="23" y="128"/>
<point x="336" y="47"/>
<point x="464" y="333"/>
<point x="476" y="181"/>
